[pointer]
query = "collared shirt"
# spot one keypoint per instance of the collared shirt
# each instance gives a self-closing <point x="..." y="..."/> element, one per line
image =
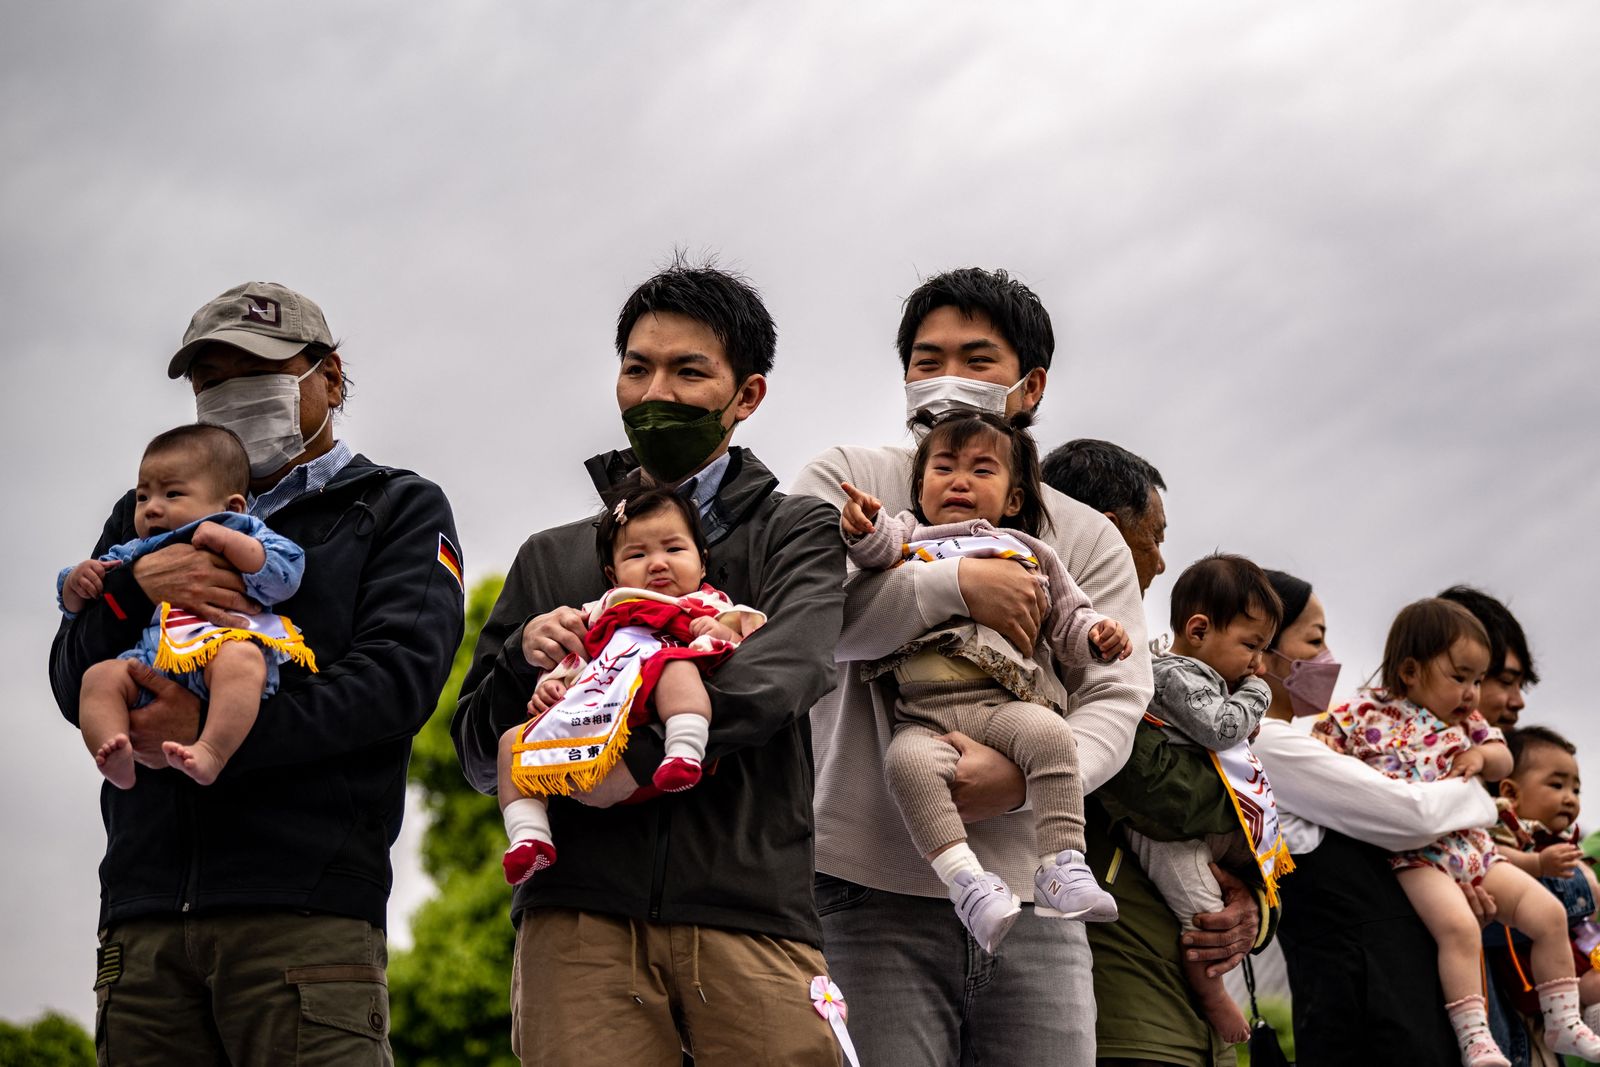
<point x="308" y="477"/>
<point x="702" y="492"/>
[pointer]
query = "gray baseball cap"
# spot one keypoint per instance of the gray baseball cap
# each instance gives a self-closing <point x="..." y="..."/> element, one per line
<point x="263" y="318"/>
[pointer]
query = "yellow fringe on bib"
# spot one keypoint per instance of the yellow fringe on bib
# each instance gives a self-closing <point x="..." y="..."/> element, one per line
<point x="564" y="781"/>
<point x="1282" y="861"/>
<point x="168" y="659"/>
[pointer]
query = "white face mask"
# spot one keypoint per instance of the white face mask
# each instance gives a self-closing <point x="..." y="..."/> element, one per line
<point x="951" y="392"/>
<point x="264" y="410"/>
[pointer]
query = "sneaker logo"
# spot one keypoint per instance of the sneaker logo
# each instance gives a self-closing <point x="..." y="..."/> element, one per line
<point x="1055" y="886"/>
<point x="260" y="309"/>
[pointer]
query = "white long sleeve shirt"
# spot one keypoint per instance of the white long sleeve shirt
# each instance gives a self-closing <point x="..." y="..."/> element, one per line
<point x="1317" y="789"/>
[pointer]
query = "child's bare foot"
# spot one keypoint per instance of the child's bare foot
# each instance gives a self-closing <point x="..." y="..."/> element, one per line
<point x="199" y="761"/>
<point x="115" y="760"/>
<point x="1216" y="1005"/>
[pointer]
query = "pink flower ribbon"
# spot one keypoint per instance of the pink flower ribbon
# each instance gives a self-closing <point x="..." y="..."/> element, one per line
<point x="828" y="999"/>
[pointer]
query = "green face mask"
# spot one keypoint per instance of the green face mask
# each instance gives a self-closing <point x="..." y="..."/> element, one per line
<point x="672" y="439"/>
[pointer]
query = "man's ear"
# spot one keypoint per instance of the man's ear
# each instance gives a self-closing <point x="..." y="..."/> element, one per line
<point x="237" y="504"/>
<point x="1032" y="390"/>
<point x="332" y="368"/>
<point x="1196" y="628"/>
<point x="1116" y="521"/>
<point x="748" y="397"/>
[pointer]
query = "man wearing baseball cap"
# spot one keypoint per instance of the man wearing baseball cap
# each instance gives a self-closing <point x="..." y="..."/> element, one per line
<point x="243" y="922"/>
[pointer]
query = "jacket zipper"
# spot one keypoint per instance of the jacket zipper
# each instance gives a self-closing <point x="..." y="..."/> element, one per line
<point x="658" y="874"/>
<point x="191" y="876"/>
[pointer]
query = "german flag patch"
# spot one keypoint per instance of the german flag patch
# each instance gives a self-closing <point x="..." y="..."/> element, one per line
<point x="107" y="964"/>
<point x="450" y="560"/>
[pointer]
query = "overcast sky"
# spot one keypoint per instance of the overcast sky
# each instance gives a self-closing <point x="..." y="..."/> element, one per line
<point x="1334" y="269"/>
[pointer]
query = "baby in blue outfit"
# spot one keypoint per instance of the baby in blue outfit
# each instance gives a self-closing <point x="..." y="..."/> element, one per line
<point x="192" y="486"/>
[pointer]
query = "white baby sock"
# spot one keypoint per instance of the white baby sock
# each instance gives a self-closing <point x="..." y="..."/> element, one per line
<point x="526" y="818"/>
<point x="686" y="736"/>
<point x="953" y="860"/>
<point x="1564" y="1032"/>
<point x="1591" y="1017"/>
<point x="1471" y="1024"/>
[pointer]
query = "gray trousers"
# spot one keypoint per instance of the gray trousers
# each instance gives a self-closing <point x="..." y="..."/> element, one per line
<point x="919" y="768"/>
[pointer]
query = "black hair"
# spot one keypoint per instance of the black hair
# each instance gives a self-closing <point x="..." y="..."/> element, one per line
<point x="1522" y="738"/>
<point x="725" y="302"/>
<point x="1505" y="633"/>
<point x="1105" y="476"/>
<point x="1013" y="308"/>
<point x="1423" y="630"/>
<point x="1222" y="587"/>
<point x="1295" y="593"/>
<point x="958" y="429"/>
<point x="636" y="502"/>
<point x="217" y="447"/>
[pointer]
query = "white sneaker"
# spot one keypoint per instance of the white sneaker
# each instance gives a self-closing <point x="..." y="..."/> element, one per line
<point x="1068" y="891"/>
<point x="987" y="907"/>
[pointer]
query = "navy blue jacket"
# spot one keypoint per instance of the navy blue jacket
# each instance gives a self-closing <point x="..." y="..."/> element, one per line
<point x="304" y="813"/>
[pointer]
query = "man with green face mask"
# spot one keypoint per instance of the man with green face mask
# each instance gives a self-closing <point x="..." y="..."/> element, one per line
<point x="685" y="918"/>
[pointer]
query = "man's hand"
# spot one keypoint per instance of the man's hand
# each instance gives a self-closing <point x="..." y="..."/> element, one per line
<point x="197" y="580"/>
<point x="707" y="626"/>
<point x="986" y="783"/>
<point x="1481" y="903"/>
<point x="548" y="638"/>
<point x="546" y="695"/>
<point x="1111" y="639"/>
<point x="1559" y="861"/>
<point x="1005" y="597"/>
<point x="1227" y="935"/>
<point x="859" y="511"/>
<point x="1466" y="764"/>
<point x="174" y="715"/>
<point x="85" y="583"/>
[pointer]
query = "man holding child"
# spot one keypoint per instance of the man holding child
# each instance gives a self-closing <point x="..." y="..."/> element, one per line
<point x="242" y="921"/>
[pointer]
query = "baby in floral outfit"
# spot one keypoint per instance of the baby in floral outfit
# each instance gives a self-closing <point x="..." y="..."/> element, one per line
<point x="1423" y="725"/>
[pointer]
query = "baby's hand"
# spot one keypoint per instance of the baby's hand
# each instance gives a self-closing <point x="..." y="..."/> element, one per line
<point x="707" y="626"/>
<point x="85" y="583"/>
<point x="1466" y="764"/>
<point x="1111" y="639"/>
<point x="546" y="695"/>
<point x="1559" y="861"/>
<point x="859" y="511"/>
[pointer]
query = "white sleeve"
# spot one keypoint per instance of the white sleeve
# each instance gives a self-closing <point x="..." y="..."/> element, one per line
<point x="1342" y="793"/>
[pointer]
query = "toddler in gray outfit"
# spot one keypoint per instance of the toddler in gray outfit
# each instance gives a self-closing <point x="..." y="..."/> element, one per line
<point x="976" y="486"/>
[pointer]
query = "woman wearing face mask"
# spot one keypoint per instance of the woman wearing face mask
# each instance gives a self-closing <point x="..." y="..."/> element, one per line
<point x="1362" y="967"/>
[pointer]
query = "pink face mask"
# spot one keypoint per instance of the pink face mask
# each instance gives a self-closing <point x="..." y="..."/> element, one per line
<point x="1310" y="682"/>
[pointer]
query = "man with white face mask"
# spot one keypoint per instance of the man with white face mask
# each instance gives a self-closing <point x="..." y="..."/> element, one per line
<point x="243" y="922"/>
<point x="920" y="991"/>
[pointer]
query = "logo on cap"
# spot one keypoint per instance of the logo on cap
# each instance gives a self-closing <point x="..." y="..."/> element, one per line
<point x="262" y="310"/>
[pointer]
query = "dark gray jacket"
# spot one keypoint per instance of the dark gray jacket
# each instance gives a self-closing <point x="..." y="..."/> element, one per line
<point x="736" y="850"/>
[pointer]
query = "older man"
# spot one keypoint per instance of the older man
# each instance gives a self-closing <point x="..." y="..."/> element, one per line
<point x="243" y="922"/>
<point x="685" y="921"/>
<point x="1121" y="486"/>
<point x="921" y="991"/>
<point x="1136" y="965"/>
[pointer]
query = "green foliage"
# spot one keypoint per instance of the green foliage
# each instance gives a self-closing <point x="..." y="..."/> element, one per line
<point x="463" y="824"/>
<point x="1277" y="1012"/>
<point x="449" y="993"/>
<point x="51" y="1040"/>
